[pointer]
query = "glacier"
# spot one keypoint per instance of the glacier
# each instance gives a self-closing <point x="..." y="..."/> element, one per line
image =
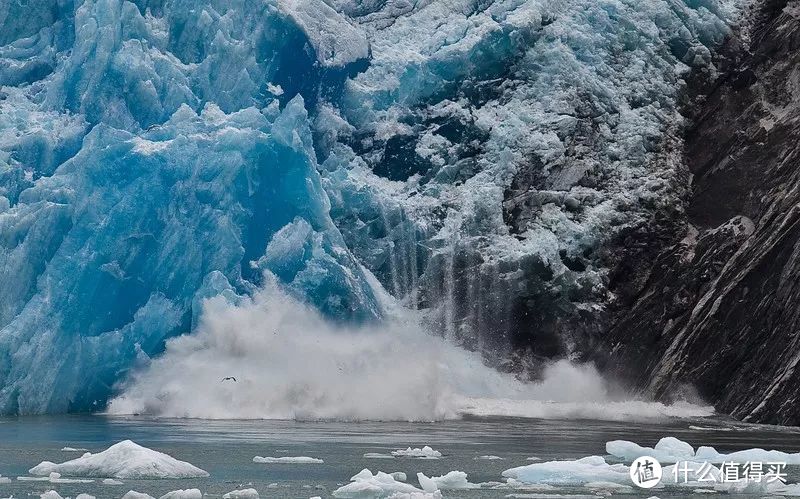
<point x="474" y="157"/>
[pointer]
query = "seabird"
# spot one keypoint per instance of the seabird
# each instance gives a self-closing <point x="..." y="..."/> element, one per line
<point x="229" y="378"/>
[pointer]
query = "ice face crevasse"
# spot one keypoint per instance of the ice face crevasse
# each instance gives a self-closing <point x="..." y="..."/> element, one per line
<point x="474" y="157"/>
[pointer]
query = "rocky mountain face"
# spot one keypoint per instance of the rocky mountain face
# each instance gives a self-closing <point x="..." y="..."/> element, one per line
<point x="710" y="299"/>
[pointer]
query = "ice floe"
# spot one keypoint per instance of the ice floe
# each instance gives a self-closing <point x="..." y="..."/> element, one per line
<point x="85" y="496"/>
<point x="132" y="494"/>
<point x="488" y="458"/>
<point x="50" y="494"/>
<point x="378" y="455"/>
<point x="288" y="460"/>
<point x="125" y="459"/>
<point x="424" y="453"/>
<point x="52" y="478"/>
<point x="4" y="479"/>
<point x="183" y="494"/>
<point x="672" y="450"/>
<point x="577" y="472"/>
<point x="364" y="484"/>
<point x="241" y="494"/>
<point x="74" y="449"/>
<point x="111" y="481"/>
<point x="451" y="481"/>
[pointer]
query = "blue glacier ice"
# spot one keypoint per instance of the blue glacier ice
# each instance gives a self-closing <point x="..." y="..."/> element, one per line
<point x="155" y="153"/>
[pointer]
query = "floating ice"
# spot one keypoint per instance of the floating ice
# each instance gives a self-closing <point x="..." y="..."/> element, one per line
<point x="425" y="452"/>
<point x="287" y="460"/>
<point x="241" y="494"/>
<point x="672" y="450"/>
<point x="132" y="494"/>
<point x="4" y="479"/>
<point x="577" y="472"/>
<point x="489" y="458"/>
<point x="667" y="450"/>
<point x="50" y="494"/>
<point x="74" y="449"/>
<point x="183" y="494"/>
<point x="450" y="481"/>
<point x="125" y="459"/>
<point x="52" y="478"/>
<point x="380" y="485"/>
<point x="111" y="481"/>
<point x="378" y="455"/>
<point x="84" y="496"/>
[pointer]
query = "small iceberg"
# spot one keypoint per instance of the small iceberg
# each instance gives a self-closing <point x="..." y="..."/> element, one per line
<point x="242" y="494"/>
<point x="50" y="494"/>
<point x="365" y="484"/>
<point x="4" y="479"/>
<point x="183" y="494"/>
<point x="52" y="478"/>
<point x="489" y="458"/>
<point x="125" y="459"/>
<point x="111" y="481"/>
<point x="132" y="494"/>
<point x="74" y="449"/>
<point x="288" y="460"/>
<point x="423" y="453"/>
<point x="378" y="455"/>
<point x="671" y="450"/>
<point x="577" y="472"/>
<point x="454" y="480"/>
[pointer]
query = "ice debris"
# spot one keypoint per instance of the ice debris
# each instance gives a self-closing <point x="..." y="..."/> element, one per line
<point x="125" y="459"/>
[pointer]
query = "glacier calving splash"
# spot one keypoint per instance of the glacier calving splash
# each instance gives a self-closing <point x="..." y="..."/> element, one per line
<point x="158" y="153"/>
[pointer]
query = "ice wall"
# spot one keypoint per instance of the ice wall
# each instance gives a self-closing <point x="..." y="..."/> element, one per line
<point x="473" y="156"/>
<point x="147" y="163"/>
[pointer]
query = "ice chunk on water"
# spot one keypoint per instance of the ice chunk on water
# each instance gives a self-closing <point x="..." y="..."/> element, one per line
<point x="111" y="481"/>
<point x="125" y="459"/>
<point x="287" y="460"/>
<point x="183" y="494"/>
<point x="425" y="452"/>
<point x="378" y="455"/>
<point x="241" y="494"/>
<point x="74" y="449"/>
<point x="452" y="480"/>
<point x="132" y="494"/>
<point x="577" y="472"/>
<point x="489" y="458"/>
<point x="50" y="494"/>
<point x="84" y="496"/>
<point x="672" y="450"/>
<point x="667" y="450"/>
<point x="366" y="485"/>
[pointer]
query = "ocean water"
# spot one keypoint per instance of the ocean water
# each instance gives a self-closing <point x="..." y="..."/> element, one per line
<point x="225" y="448"/>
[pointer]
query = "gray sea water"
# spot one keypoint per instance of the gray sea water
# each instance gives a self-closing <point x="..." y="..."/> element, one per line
<point x="226" y="448"/>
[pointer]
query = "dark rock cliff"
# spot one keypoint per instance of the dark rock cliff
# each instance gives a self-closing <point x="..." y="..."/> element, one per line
<point x="712" y="302"/>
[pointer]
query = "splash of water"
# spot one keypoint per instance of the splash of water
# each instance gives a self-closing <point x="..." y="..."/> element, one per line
<point x="291" y="363"/>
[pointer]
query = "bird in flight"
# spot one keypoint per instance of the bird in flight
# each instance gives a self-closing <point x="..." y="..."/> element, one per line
<point x="228" y="378"/>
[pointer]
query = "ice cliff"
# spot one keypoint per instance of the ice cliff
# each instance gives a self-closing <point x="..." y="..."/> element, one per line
<point x="477" y="157"/>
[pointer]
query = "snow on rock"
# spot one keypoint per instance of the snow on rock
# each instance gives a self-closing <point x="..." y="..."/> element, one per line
<point x="183" y="494"/>
<point x="672" y="450"/>
<point x="125" y="459"/>
<point x="577" y="472"/>
<point x="380" y="485"/>
<point x="241" y="494"/>
<point x="288" y="460"/>
<point x="424" y="453"/>
<point x="452" y="480"/>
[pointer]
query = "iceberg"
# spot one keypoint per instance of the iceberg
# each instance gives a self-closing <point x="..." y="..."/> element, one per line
<point x="380" y="485"/>
<point x="125" y="459"/>
<point x="287" y="460"/>
<point x="425" y="452"/>
<point x="241" y="494"/>
<point x="570" y="472"/>
<point x="183" y="494"/>
<point x="454" y="480"/>
<point x="672" y="450"/>
<point x="132" y="494"/>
